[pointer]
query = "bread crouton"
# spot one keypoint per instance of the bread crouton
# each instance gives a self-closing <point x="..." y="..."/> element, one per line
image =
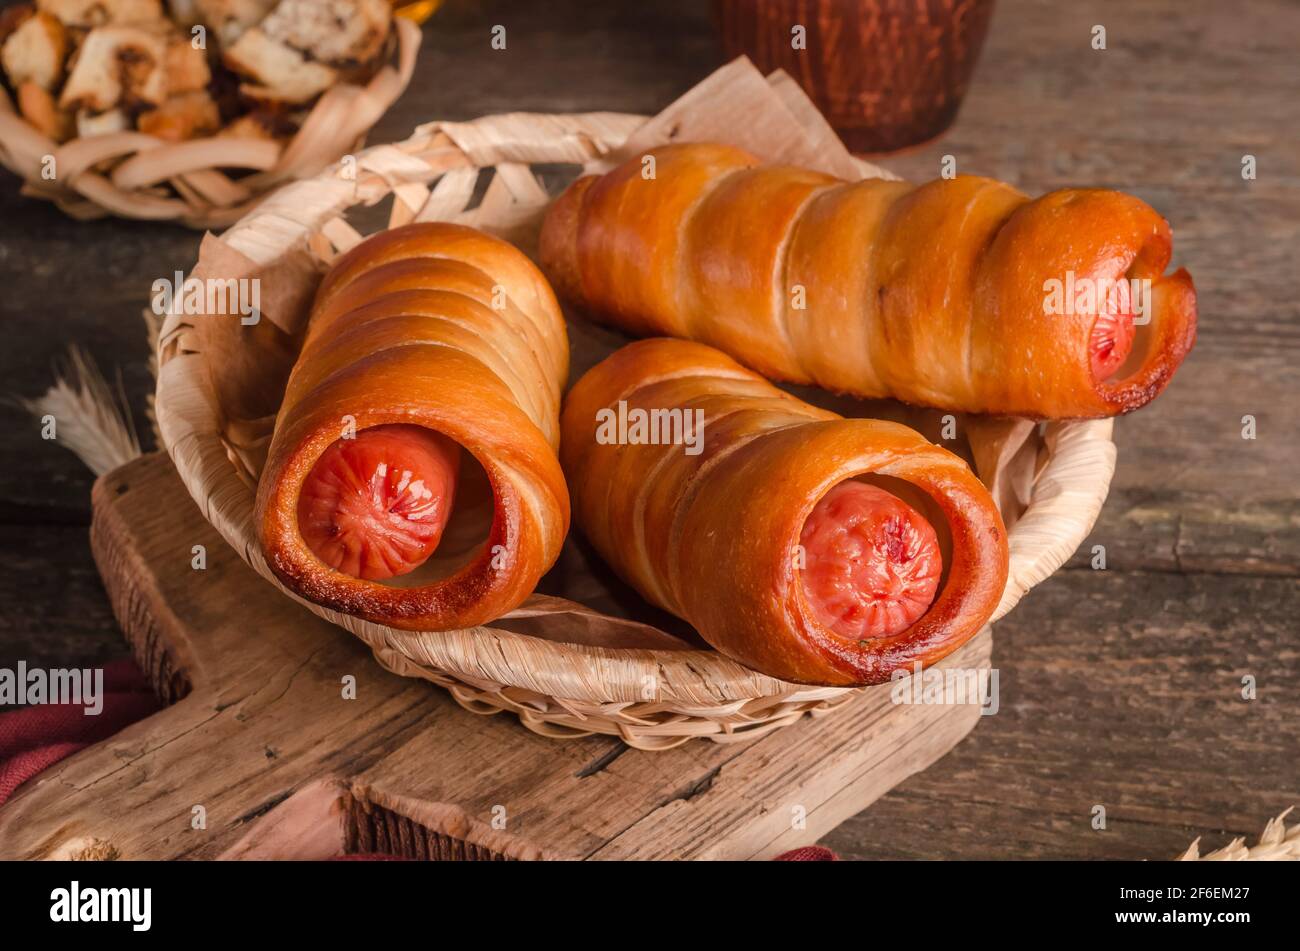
<point x="102" y="123"/>
<point x="184" y="12"/>
<point x="35" y="52"/>
<point x="263" y="125"/>
<point x="186" y="66"/>
<point x="38" y="107"/>
<point x="92" y="13"/>
<point x="276" y="73"/>
<point x="117" y="65"/>
<point x="11" y="18"/>
<point x="230" y="18"/>
<point x="339" y="33"/>
<point x="190" y="115"/>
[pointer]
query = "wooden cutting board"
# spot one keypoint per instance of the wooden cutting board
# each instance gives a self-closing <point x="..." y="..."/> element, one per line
<point x="260" y="755"/>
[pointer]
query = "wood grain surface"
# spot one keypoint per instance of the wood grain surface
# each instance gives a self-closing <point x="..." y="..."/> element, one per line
<point x="1120" y="687"/>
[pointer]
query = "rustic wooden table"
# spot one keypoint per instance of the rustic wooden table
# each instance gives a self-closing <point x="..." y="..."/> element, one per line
<point x="1120" y="688"/>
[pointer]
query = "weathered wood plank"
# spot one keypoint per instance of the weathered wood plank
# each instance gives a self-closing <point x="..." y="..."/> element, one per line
<point x="1120" y="689"/>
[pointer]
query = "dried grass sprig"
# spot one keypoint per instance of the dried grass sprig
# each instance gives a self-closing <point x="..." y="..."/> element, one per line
<point x="92" y="418"/>
<point x="1276" y="844"/>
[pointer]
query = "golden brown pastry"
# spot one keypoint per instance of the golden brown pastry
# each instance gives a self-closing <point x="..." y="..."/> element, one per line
<point x="961" y="294"/>
<point x="190" y="115"/>
<point x="423" y="407"/>
<point x="35" y="52"/>
<point x="809" y="547"/>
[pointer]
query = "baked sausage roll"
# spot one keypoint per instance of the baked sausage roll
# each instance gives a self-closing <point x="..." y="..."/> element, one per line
<point x="412" y="478"/>
<point x="809" y="547"/>
<point x="962" y="294"/>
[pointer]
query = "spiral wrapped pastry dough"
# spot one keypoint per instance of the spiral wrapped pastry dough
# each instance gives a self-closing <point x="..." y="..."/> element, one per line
<point x="426" y="398"/>
<point x="809" y="547"/>
<point x="962" y="294"/>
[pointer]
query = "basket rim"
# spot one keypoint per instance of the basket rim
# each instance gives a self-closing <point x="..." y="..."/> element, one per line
<point x="1064" y="502"/>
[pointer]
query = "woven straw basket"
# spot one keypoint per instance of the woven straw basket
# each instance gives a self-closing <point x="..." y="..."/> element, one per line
<point x="188" y="182"/>
<point x="556" y="688"/>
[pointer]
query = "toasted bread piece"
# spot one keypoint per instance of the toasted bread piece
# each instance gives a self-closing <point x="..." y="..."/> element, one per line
<point x="252" y="125"/>
<point x="230" y="18"/>
<point x="340" y="33"/>
<point x="190" y="115"/>
<point x="35" y="52"/>
<point x="267" y="125"/>
<point x="117" y="65"/>
<point x="39" y="108"/>
<point x="184" y="12"/>
<point x="92" y="13"/>
<point x="186" y="67"/>
<point x="277" y="73"/>
<point x="246" y="127"/>
<point x="11" y="18"/>
<point x="102" y="123"/>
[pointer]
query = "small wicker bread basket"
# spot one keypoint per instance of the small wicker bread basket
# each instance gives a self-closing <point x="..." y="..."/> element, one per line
<point x="1050" y="481"/>
<point x="188" y="182"/>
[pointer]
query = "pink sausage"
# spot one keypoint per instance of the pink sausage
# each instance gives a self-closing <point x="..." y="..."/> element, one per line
<point x="374" y="506"/>
<point x="872" y="562"/>
<point x="1112" y="332"/>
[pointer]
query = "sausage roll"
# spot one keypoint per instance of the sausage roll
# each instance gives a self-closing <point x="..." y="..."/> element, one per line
<point x="962" y="294"/>
<point x="412" y="478"/>
<point x="809" y="547"/>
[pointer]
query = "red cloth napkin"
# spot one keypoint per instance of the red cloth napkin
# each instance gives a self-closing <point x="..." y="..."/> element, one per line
<point x="809" y="853"/>
<point x="32" y="739"/>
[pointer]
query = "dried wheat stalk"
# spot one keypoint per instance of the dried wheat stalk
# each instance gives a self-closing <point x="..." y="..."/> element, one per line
<point x="91" y="417"/>
<point x="1276" y="844"/>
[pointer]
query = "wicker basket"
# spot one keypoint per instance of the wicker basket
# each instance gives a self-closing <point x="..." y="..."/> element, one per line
<point x="1050" y="480"/>
<point x="188" y="182"/>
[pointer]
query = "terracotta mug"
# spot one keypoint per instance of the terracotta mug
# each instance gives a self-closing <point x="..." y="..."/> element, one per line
<point x="886" y="73"/>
